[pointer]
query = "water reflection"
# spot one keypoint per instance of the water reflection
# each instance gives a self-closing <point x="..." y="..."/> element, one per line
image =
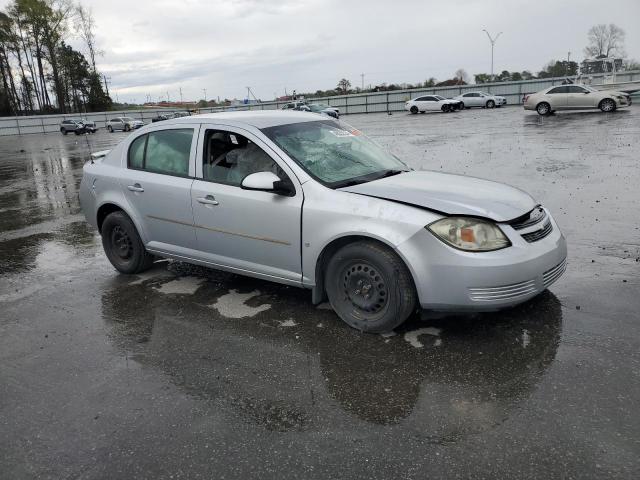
<point x="286" y="364"/>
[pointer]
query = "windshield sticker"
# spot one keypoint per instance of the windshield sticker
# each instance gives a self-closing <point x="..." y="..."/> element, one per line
<point x="233" y="138"/>
<point x="342" y="133"/>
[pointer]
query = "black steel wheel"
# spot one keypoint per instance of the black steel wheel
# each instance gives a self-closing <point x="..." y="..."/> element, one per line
<point x="122" y="244"/>
<point x="413" y="109"/>
<point x="370" y="287"/>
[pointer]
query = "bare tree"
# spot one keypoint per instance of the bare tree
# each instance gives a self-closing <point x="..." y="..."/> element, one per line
<point x="85" y="26"/>
<point x="605" y="41"/>
<point x="344" y="85"/>
<point x="462" y="76"/>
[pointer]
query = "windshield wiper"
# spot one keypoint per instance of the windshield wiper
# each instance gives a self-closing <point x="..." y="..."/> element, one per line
<point x="368" y="178"/>
<point x="388" y="173"/>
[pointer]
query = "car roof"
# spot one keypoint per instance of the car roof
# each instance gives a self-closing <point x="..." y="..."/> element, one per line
<point x="258" y="119"/>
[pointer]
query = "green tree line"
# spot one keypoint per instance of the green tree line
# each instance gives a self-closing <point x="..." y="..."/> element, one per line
<point x="40" y="72"/>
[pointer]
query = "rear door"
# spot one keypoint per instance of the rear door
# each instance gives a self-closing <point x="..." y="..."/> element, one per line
<point x="557" y="97"/>
<point x="247" y="231"/>
<point x="157" y="183"/>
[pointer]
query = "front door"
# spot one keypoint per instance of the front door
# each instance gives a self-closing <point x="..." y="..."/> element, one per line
<point x="557" y="97"/>
<point x="579" y="97"/>
<point x="247" y="231"/>
<point x="157" y="185"/>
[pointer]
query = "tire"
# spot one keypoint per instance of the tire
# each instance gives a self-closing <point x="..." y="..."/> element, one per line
<point x="63" y="131"/>
<point x="462" y="107"/>
<point x="127" y="128"/>
<point x="543" y="108"/>
<point x="607" y="105"/>
<point x="413" y="109"/>
<point x="123" y="245"/>
<point x="110" y="128"/>
<point x="390" y="295"/>
<point x="490" y="104"/>
<point x="446" y="108"/>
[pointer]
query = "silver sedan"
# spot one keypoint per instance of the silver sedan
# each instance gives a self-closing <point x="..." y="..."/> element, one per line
<point x="309" y="201"/>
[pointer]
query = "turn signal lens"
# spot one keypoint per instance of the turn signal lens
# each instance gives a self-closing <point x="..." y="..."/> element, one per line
<point x="470" y="234"/>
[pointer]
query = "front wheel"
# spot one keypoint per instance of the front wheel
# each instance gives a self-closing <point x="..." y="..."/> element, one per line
<point x="122" y="244"/>
<point x="110" y="128"/>
<point x="127" y="128"/>
<point x="413" y="109"/>
<point x="370" y="287"/>
<point x="462" y="106"/>
<point x="491" y="104"/>
<point x="63" y="131"/>
<point x="446" y="108"/>
<point x="543" y="108"/>
<point x="607" y="105"/>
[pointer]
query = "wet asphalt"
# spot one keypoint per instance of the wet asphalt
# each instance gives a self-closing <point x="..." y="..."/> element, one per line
<point x="184" y="372"/>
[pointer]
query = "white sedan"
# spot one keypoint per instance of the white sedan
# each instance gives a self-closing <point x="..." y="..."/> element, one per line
<point x="434" y="103"/>
<point x="480" y="99"/>
<point x="575" y="97"/>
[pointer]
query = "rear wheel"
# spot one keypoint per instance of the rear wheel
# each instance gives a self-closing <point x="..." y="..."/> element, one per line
<point x="607" y="105"/>
<point x="413" y="109"/>
<point x="543" y="108"/>
<point x="370" y="287"/>
<point x="122" y="244"/>
<point x="491" y="104"/>
<point x="63" y="130"/>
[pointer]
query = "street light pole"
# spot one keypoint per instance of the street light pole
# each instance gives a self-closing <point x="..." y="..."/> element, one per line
<point x="493" y="42"/>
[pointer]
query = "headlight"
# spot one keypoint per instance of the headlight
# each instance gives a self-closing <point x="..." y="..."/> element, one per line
<point x="471" y="234"/>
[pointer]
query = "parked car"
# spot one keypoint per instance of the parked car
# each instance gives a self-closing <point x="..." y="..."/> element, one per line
<point x="575" y="97"/>
<point x="163" y="116"/>
<point x="480" y="99"/>
<point x="124" y="123"/>
<point x="319" y="108"/>
<point x="428" y="103"/>
<point x="77" y="126"/>
<point x="311" y="202"/>
<point x="293" y="104"/>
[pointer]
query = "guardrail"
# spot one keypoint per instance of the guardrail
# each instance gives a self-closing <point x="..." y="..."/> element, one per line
<point x="348" y="104"/>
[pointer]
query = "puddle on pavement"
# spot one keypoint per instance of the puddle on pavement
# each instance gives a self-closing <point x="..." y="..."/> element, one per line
<point x="443" y="378"/>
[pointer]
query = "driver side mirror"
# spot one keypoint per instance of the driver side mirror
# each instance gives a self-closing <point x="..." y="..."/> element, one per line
<point x="267" y="182"/>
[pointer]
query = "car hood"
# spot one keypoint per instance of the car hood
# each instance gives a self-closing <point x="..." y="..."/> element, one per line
<point x="450" y="194"/>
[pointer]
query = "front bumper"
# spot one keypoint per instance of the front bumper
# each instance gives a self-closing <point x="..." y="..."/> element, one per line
<point x="457" y="281"/>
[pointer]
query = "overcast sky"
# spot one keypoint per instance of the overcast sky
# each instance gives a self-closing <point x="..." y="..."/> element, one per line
<point x="155" y="46"/>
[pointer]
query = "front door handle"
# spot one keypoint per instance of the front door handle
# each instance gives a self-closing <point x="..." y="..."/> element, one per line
<point x="136" y="187"/>
<point x="208" y="200"/>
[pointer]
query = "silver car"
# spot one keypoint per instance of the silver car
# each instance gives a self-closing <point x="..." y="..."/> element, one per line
<point x="124" y="123"/>
<point x="309" y="201"/>
<point x="575" y="97"/>
<point x="480" y="99"/>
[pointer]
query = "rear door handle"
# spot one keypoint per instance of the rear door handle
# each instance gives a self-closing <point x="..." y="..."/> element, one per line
<point x="136" y="187"/>
<point x="208" y="200"/>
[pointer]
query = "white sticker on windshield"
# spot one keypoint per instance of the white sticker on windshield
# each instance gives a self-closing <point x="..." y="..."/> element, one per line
<point x="233" y="138"/>
<point x="342" y="133"/>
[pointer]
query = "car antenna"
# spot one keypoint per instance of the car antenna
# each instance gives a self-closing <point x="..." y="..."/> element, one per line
<point x="86" y="137"/>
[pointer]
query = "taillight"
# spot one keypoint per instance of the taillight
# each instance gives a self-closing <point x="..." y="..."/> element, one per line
<point x="524" y="100"/>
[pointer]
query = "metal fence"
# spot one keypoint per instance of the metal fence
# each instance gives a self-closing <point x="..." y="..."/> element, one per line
<point x="348" y="104"/>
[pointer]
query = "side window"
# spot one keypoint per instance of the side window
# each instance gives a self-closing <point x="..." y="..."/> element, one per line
<point x="574" y="89"/>
<point x="429" y="99"/>
<point x="136" y="153"/>
<point x="168" y="151"/>
<point x="229" y="157"/>
<point x="419" y="99"/>
<point x="557" y="90"/>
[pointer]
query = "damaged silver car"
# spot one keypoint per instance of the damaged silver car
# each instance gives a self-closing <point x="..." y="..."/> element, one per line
<point x="309" y="201"/>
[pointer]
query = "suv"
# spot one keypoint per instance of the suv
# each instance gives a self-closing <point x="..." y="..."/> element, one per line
<point x="77" y="126"/>
<point x="124" y="123"/>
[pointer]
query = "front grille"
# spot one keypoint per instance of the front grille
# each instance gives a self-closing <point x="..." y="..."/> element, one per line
<point x="505" y="292"/>
<point x="554" y="273"/>
<point x="538" y="234"/>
